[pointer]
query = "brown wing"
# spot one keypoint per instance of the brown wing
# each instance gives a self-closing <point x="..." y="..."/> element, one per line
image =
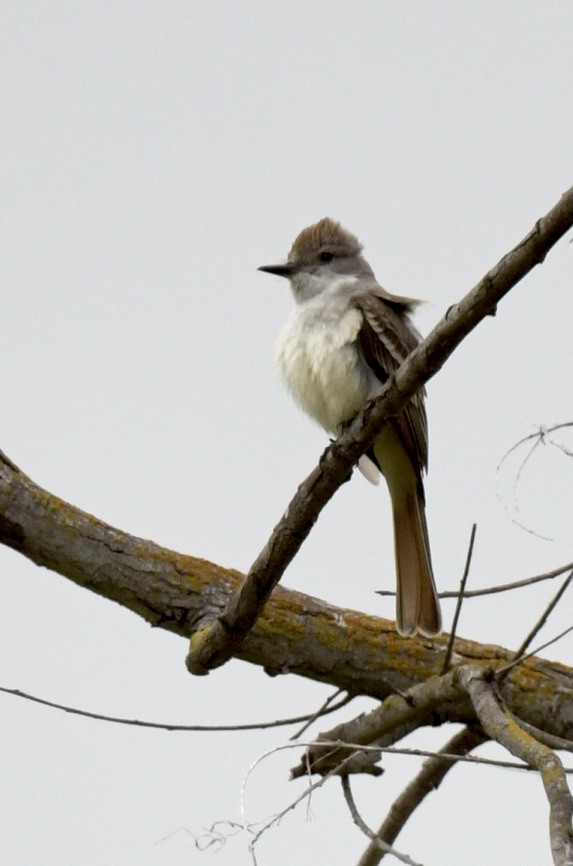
<point x="385" y="339"/>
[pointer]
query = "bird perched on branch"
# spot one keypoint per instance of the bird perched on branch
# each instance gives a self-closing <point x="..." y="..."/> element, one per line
<point x="345" y="338"/>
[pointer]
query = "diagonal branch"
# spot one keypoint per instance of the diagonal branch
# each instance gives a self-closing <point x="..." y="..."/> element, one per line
<point x="392" y="720"/>
<point x="544" y="616"/>
<point x="217" y="638"/>
<point x="375" y="841"/>
<point x="461" y="597"/>
<point x="502" y="726"/>
<point x="430" y="777"/>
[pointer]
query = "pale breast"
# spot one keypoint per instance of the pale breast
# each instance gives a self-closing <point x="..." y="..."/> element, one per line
<point x="317" y="356"/>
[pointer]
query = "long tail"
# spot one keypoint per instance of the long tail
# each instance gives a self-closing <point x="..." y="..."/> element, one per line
<point x="417" y="605"/>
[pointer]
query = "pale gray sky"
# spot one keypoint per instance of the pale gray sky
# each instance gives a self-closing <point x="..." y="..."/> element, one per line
<point x="154" y="154"/>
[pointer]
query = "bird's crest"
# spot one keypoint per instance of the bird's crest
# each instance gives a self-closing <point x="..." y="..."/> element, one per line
<point x="325" y="234"/>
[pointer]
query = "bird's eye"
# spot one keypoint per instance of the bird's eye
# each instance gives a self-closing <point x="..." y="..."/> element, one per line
<point x="326" y="257"/>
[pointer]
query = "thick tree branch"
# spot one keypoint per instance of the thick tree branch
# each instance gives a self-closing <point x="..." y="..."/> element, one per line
<point x="295" y="634"/>
<point x="501" y="726"/>
<point x="217" y="638"/>
<point x="391" y="721"/>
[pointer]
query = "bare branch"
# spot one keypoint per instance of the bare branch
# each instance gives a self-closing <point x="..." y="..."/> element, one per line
<point x="541" y="436"/>
<point x="275" y="819"/>
<point x="214" y="836"/>
<point x="492" y="590"/>
<point x="500" y="673"/>
<point x="379" y="843"/>
<point x="544" y="616"/>
<point x="426" y="753"/>
<point x="547" y="739"/>
<point x="217" y="638"/>
<point x="324" y="710"/>
<point x="461" y="596"/>
<point x="451" y="757"/>
<point x="295" y="634"/>
<point x="458" y="759"/>
<point x="430" y="777"/>
<point x="5" y="459"/>
<point x="507" y="587"/>
<point x="501" y="726"/>
<point x="560" y="445"/>
<point x="391" y="721"/>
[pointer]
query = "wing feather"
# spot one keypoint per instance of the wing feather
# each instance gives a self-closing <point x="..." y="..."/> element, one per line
<point x="385" y="339"/>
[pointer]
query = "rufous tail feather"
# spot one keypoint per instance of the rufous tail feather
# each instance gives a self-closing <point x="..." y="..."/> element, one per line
<point x="417" y="605"/>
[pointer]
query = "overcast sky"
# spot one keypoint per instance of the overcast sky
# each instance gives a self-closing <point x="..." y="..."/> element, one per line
<point x="154" y="154"/>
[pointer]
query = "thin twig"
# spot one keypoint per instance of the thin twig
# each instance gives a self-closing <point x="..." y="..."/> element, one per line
<point x="452" y="755"/>
<point x="538" y="436"/>
<point x="503" y="671"/>
<point x="544" y="616"/>
<point x="210" y="837"/>
<point x="384" y="847"/>
<point x="452" y="637"/>
<point x="541" y="432"/>
<point x="492" y="590"/>
<point x="311" y="787"/>
<point x="560" y="445"/>
<point x="541" y="436"/>
<point x="445" y="753"/>
<point x="429" y="778"/>
<point x="453" y="752"/>
<point x="168" y="727"/>
<point x="322" y="710"/>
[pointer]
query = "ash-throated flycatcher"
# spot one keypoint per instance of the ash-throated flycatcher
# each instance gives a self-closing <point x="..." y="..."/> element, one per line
<point x="345" y="338"/>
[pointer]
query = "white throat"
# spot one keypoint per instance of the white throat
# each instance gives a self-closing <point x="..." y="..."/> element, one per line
<point x="307" y="285"/>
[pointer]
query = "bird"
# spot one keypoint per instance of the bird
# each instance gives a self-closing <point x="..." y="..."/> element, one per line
<point x="344" y="339"/>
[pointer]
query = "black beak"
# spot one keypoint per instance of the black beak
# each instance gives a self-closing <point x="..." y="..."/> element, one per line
<point x="278" y="270"/>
